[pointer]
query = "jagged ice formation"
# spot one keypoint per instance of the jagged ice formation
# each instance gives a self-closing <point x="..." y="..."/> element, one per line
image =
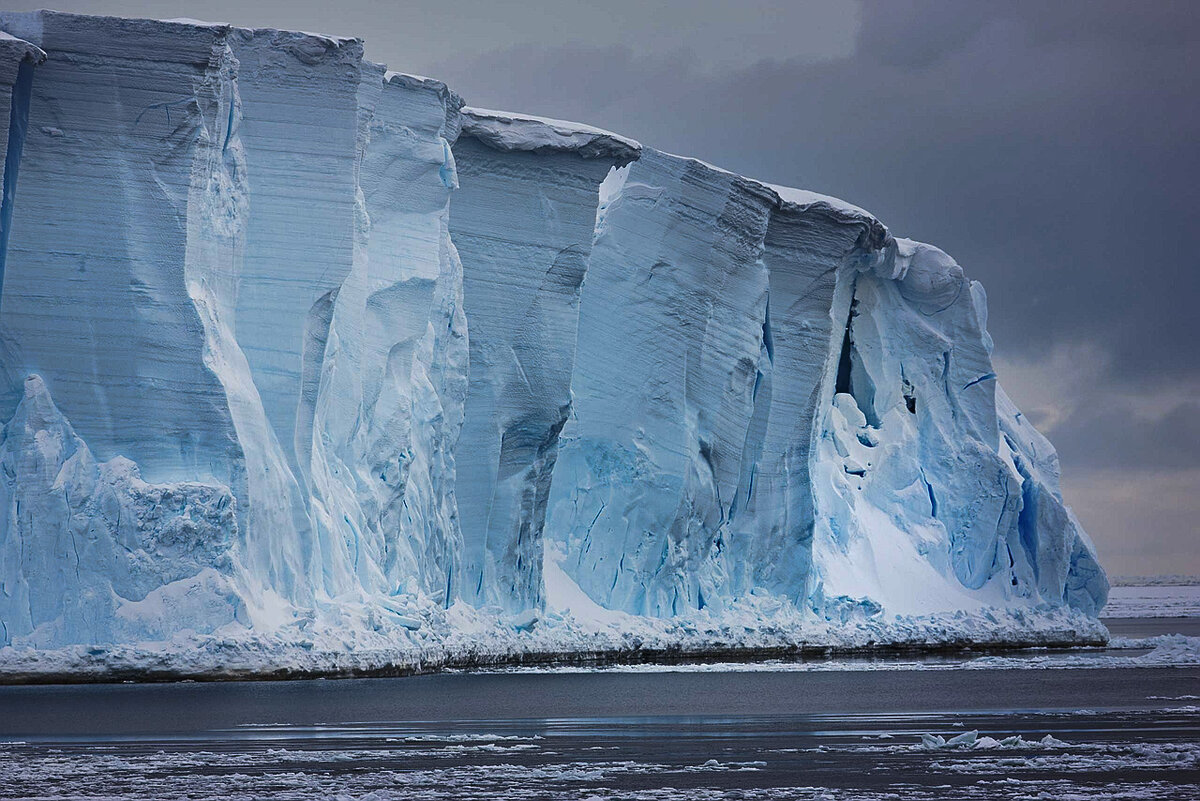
<point x="305" y="364"/>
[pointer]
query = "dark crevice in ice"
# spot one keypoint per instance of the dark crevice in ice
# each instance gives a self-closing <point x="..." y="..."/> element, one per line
<point x="767" y="337"/>
<point x="984" y="377"/>
<point x="842" y="384"/>
<point x="933" y="504"/>
<point x="910" y="394"/>
<point x="18" y="124"/>
<point x="1027" y="519"/>
<point x="852" y="376"/>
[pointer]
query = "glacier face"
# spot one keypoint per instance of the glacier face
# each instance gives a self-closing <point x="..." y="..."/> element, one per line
<point x="301" y="355"/>
<point x="932" y="469"/>
<point x="669" y="347"/>
<point x="525" y="246"/>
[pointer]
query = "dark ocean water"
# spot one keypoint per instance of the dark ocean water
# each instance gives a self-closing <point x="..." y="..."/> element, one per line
<point x="832" y="734"/>
<point x="1152" y="626"/>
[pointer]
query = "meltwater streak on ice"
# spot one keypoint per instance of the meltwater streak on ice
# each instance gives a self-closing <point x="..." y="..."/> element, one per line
<point x="239" y="347"/>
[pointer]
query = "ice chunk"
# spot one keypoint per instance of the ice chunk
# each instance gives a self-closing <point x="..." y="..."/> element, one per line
<point x="957" y="488"/>
<point x="505" y="131"/>
<point x="87" y="548"/>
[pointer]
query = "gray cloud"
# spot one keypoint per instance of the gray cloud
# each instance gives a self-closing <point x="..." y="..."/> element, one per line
<point x="1143" y="523"/>
<point x="1049" y="147"/>
<point x="415" y="35"/>
<point x="1119" y="438"/>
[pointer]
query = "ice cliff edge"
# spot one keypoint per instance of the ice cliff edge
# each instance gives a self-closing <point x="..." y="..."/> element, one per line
<point x="306" y="365"/>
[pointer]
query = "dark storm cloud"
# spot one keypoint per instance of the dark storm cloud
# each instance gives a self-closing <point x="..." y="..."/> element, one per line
<point x="1051" y="147"/>
<point x="1121" y="438"/>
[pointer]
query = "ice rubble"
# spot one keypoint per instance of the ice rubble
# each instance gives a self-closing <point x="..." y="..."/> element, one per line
<point x="262" y="414"/>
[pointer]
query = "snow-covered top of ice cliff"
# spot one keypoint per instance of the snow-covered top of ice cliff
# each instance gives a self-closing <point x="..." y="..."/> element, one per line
<point x="17" y="50"/>
<point x="801" y="200"/>
<point x="504" y="130"/>
<point x="161" y="39"/>
<point x="165" y="40"/>
<point x="13" y="53"/>
<point x="410" y="81"/>
<point x="804" y="199"/>
<point x="310" y="49"/>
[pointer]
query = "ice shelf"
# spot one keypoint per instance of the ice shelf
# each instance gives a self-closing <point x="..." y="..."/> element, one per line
<point x="307" y="366"/>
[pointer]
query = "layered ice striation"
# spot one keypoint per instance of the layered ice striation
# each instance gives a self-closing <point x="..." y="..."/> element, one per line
<point x="670" y="340"/>
<point x="385" y="357"/>
<point x="302" y="356"/>
<point x="523" y="223"/>
<point x="196" y="289"/>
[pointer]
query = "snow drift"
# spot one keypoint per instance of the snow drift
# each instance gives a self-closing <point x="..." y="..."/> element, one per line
<point x="305" y="364"/>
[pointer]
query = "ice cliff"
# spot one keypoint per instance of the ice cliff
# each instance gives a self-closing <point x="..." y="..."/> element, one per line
<point x="305" y="364"/>
<point x="523" y="223"/>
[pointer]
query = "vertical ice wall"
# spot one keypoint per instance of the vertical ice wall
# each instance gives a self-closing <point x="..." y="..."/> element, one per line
<point x="523" y="222"/>
<point x="347" y="308"/>
<point x="300" y="131"/>
<point x="416" y="387"/>
<point x="225" y="325"/>
<point x="389" y="356"/>
<point x="94" y="297"/>
<point x="811" y="251"/>
<point x="670" y="338"/>
<point x="127" y="212"/>
<point x="234" y="364"/>
<point x="771" y="395"/>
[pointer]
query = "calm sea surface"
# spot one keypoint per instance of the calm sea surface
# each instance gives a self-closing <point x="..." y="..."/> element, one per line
<point x="853" y="734"/>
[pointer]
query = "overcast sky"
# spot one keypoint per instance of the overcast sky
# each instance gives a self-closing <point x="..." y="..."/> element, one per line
<point x="1053" y="148"/>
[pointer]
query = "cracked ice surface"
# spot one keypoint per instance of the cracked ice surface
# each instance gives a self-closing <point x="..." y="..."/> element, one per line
<point x="306" y="364"/>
